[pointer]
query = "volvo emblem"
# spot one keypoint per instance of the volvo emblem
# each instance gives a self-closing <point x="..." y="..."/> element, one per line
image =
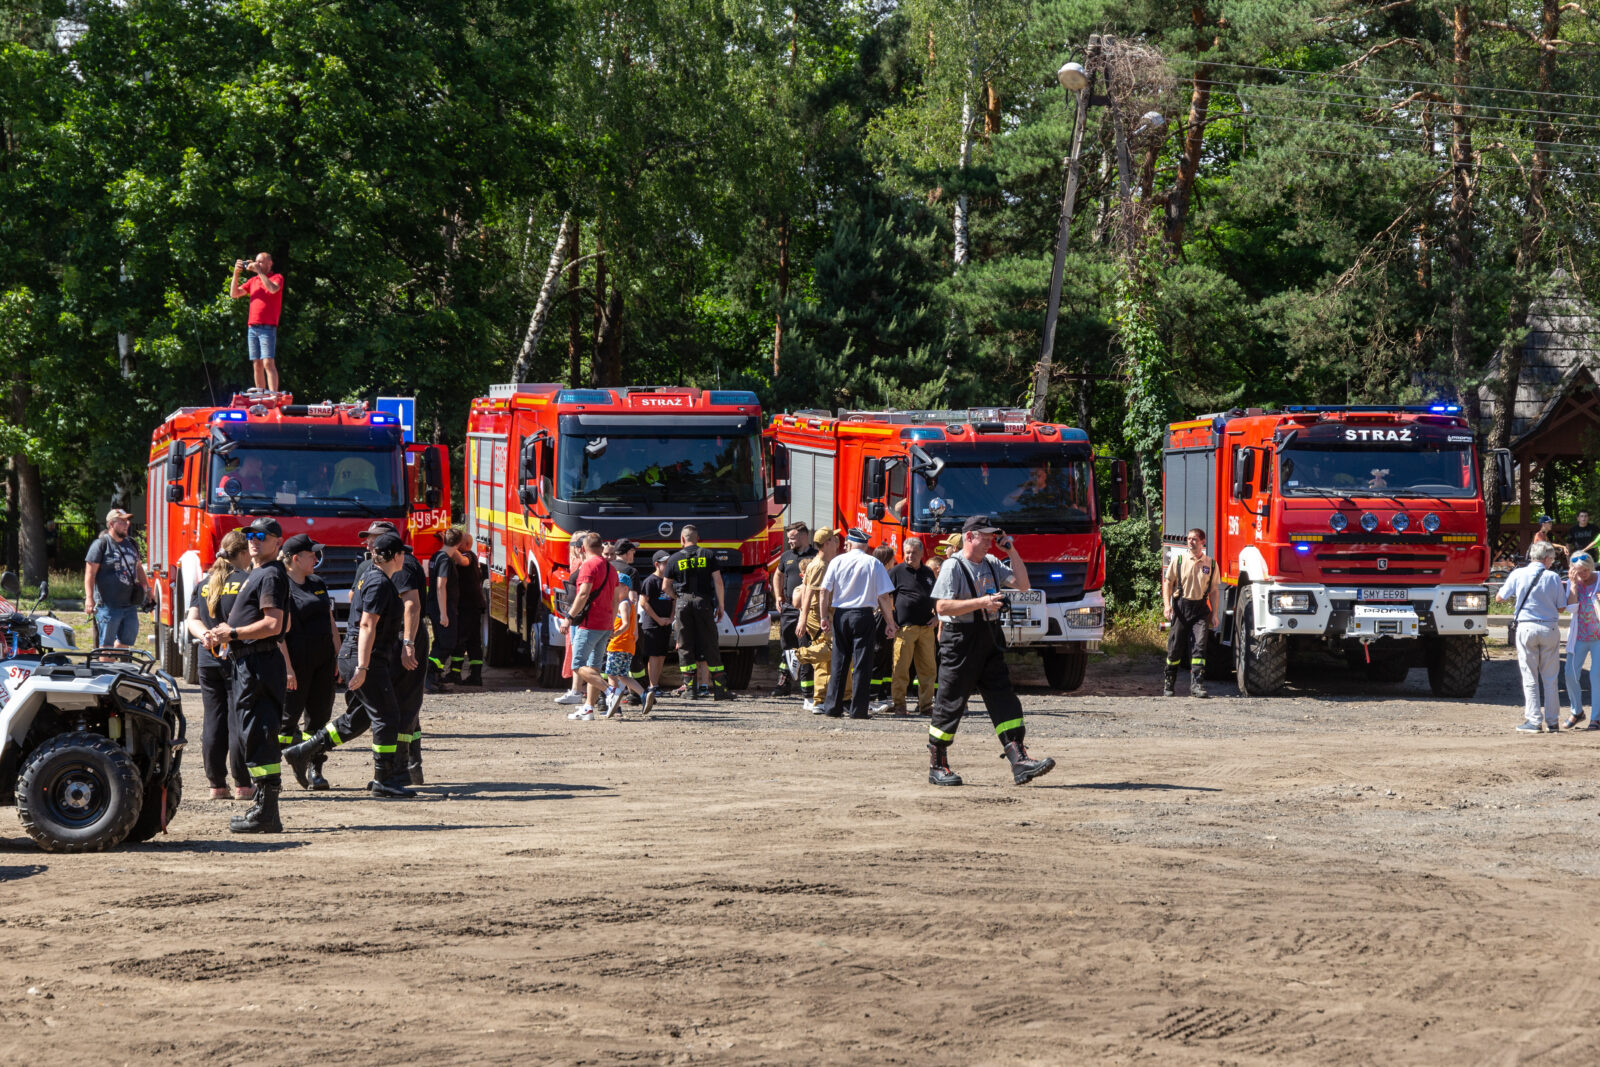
<point x="1383" y="564"/>
<point x="665" y="529"/>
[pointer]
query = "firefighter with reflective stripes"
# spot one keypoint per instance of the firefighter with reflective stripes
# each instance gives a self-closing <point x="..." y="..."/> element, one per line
<point x="370" y="661"/>
<point x="1191" y="600"/>
<point x="972" y="650"/>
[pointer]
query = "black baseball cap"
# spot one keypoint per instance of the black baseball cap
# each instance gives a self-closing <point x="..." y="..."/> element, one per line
<point x="623" y="547"/>
<point x="379" y="527"/>
<point x="387" y="543"/>
<point x="301" y="542"/>
<point x="661" y="556"/>
<point x="267" y="525"/>
<point x="979" y="524"/>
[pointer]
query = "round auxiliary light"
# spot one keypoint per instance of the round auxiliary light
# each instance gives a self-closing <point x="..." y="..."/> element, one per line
<point x="1073" y="76"/>
<point x="1338" y="521"/>
<point x="1369" y="522"/>
<point x="1401" y="522"/>
<point x="1430" y="522"/>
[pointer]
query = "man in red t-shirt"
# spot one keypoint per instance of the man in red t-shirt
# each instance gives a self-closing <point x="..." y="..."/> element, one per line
<point x="591" y="614"/>
<point x="265" y="292"/>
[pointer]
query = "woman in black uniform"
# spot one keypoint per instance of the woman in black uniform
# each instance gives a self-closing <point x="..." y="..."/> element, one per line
<point x="367" y="660"/>
<point x="220" y="750"/>
<point x="313" y="644"/>
<point x="468" y="659"/>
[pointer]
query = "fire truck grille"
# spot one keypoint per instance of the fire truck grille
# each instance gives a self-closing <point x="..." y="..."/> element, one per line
<point x="1061" y="582"/>
<point x="339" y="564"/>
<point x="1395" y="564"/>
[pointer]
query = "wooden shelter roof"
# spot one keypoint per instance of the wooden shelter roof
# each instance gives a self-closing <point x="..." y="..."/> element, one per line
<point x="1560" y="360"/>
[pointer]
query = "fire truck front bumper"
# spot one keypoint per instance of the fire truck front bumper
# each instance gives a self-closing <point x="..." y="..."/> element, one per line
<point x="1068" y="626"/>
<point x="1370" y="613"/>
<point x="753" y="634"/>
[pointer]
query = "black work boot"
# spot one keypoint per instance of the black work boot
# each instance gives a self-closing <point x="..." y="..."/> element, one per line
<point x="414" y="762"/>
<point x="939" y="772"/>
<point x="453" y="675"/>
<point x="1197" y="685"/>
<point x="474" y="675"/>
<point x="298" y="757"/>
<point x="319" y="784"/>
<point x="1169" y="685"/>
<point x="1024" y="768"/>
<point x="262" y="818"/>
<point x="383" y="782"/>
<point x="785" y="686"/>
<point x="720" y="692"/>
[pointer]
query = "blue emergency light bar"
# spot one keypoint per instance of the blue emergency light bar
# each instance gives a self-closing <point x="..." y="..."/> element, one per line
<point x="1420" y="409"/>
<point x="584" y="396"/>
<point x="230" y="415"/>
<point x="1075" y="435"/>
<point x="380" y="418"/>
<point x="922" y="433"/>
<point x="1302" y="548"/>
<point x="733" y="396"/>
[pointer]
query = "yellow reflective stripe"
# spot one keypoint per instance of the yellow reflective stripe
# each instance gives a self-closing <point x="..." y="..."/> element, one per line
<point x="265" y="769"/>
<point x="1009" y="724"/>
<point x="387" y="749"/>
<point x="939" y="735"/>
<point x="285" y="739"/>
<point x="333" y="735"/>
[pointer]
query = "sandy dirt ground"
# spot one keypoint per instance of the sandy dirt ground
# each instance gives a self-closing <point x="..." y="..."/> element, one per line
<point x="1344" y="874"/>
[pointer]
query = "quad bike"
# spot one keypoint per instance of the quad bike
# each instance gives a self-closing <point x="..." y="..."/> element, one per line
<point x="90" y="741"/>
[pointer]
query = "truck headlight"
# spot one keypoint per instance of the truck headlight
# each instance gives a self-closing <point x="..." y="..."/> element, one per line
<point x="1291" y="603"/>
<point x="1086" y="618"/>
<point x="1468" y="603"/>
<point x="755" y="605"/>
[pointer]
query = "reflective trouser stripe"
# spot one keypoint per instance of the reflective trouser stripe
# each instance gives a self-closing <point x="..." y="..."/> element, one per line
<point x="808" y="683"/>
<point x="286" y="739"/>
<point x="437" y="663"/>
<point x="939" y="735"/>
<point x="384" y="748"/>
<point x="1009" y="724"/>
<point x="265" y="769"/>
<point x="333" y="735"/>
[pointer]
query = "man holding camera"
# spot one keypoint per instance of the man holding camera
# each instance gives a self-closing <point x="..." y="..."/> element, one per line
<point x="969" y="599"/>
<point x="265" y="293"/>
<point x="1191" y="600"/>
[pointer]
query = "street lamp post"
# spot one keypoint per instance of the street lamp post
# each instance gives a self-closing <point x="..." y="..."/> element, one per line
<point x="1080" y="80"/>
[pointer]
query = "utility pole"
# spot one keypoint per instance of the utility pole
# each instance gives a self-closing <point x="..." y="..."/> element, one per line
<point x="1041" y="371"/>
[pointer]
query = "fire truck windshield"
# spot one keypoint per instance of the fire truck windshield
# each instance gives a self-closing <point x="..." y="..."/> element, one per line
<point x="307" y="481"/>
<point x="1361" y="469"/>
<point x="1025" y="488"/>
<point x="648" y="469"/>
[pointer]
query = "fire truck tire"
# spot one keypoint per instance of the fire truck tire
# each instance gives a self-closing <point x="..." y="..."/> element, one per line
<point x="1261" y="664"/>
<point x="1455" y="665"/>
<point x="737" y="666"/>
<point x="191" y="662"/>
<point x="499" y="646"/>
<point x="167" y="646"/>
<point x="1064" y="671"/>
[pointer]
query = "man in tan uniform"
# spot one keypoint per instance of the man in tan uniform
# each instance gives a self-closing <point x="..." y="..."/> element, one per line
<point x="816" y="644"/>
<point x="1191" y="600"/>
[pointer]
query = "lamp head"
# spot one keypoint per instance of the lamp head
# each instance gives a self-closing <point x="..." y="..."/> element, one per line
<point x="1072" y="76"/>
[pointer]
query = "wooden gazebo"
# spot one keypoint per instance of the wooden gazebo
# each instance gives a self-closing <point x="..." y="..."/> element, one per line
<point x="1555" y="414"/>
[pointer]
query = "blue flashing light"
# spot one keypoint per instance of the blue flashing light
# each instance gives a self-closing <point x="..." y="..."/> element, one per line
<point x="379" y="418"/>
<point x="584" y="396"/>
<point x="733" y="396"/>
<point x="1302" y="548"/>
<point x="1445" y="409"/>
<point x="230" y="415"/>
<point x="1056" y="576"/>
<point x="922" y="433"/>
<point x="1074" y="435"/>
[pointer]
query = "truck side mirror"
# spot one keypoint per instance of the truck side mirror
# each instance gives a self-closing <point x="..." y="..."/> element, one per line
<point x="1242" y="471"/>
<point x="876" y="479"/>
<point x="1503" y="465"/>
<point x="174" y="492"/>
<point x="175" y="463"/>
<point x="1119" y="489"/>
<point x="780" y="495"/>
<point x="780" y="462"/>
<point x="529" y="497"/>
<point x="530" y="459"/>
<point x="10" y="586"/>
<point x="876" y="511"/>
<point x="433" y="472"/>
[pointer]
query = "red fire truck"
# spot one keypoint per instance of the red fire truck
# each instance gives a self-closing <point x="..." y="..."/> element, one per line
<point x="544" y="461"/>
<point x="323" y="469"/>
<point x="904" y="474"/>
<point x="1357" y="530"/>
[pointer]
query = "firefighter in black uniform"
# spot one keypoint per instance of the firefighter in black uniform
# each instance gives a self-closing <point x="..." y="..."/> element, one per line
<point x="972" y="650"/>
<point x="313" y="646"/>
<point x="1190" y="600"/>
<point x="466" y="666"/>
<point x="254" y="623"/>
<point x="786" y="582"/>
<point x="369" y="661"/>
<point x="444" y="608"/>
<point x="695" y="580"/>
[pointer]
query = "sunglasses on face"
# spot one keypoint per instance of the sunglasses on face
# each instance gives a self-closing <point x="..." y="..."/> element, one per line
<point x="256" y="535"/>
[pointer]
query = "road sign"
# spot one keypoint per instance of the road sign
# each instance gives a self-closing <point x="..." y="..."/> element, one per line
<point x="405" y="409"/>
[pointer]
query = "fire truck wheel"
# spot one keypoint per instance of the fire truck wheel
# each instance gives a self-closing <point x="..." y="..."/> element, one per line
<point x="1454" y="666"/>
<point x="737" y="666"/>
<point x="1260" y="662"/>
<point x="1065" y="670"/>
<point x="191" y="662"/>
<point x="167" y="647"/>
<point x="500" y="646"/>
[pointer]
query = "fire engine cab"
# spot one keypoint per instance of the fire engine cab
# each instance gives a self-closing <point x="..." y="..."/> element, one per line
<point x="326" y="469"/>
<point x="900" y="475"/>
<point x="544" y="461"/>
<point x="1357" y="530"/>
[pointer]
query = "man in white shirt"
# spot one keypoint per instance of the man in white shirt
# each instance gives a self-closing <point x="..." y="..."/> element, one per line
<point x="856" y="584"/>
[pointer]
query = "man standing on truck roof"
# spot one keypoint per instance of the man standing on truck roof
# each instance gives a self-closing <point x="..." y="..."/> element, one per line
<point x="695" y="578"/>
<point x="265" y="293"/>
<point x="1191" y="600"/>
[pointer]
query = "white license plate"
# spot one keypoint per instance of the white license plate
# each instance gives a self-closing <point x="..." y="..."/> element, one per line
<point x="1019" y="597"/>
<point x="1384" y="610"/>
<point x="1385" y="594"/>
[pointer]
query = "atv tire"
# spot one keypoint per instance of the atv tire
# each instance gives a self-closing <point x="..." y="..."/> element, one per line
<point x="79" y="793"/>
<point x="1455" y="665"/>
<point x="149" y="822"/>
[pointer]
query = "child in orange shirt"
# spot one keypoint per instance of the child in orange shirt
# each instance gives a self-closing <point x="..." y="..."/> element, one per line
<point x="619" y="651"/>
